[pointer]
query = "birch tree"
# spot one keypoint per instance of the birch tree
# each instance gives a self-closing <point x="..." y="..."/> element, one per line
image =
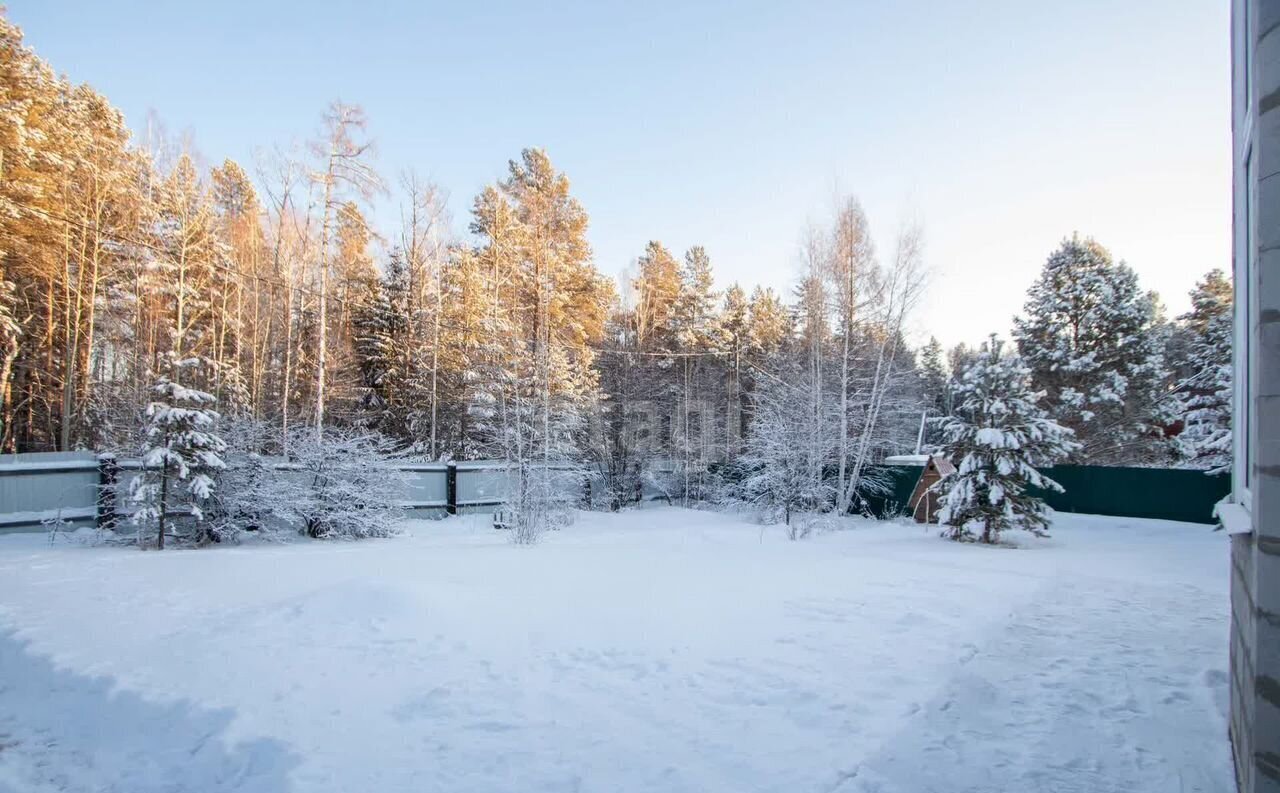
<point x="344" y="167"/>
<point x="899" y="287"/>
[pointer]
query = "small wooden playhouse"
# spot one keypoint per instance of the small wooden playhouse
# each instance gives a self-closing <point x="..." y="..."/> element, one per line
<point x="923" y="503"/>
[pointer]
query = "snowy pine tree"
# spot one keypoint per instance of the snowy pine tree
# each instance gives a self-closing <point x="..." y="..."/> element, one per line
<point x="996" y="439"/>
<point x="934" y="379"/>
<point x="378" y="327"/>
<point x="1204" y="397"/>
<point x="181" y="456"/>
<point x="1088" y="338"/>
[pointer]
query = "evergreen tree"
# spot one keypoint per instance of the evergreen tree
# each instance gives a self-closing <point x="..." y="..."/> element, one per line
<point x="696" y="304"/>
<point x="959" y="359"/>
<point x="696" y="334"/>
<point x="239" y="297"/>
<point x="377" y="330"/>
<point x="996" y="439"/>
<point x="181" y="456"/>
<point x="1090" y="338"/>
<point x="491" y="363"/>
<point x="934" y="378"/>
<point x="1204" y="397"/>
<point x="769" y="324"/>
<point x="656" y="293"/>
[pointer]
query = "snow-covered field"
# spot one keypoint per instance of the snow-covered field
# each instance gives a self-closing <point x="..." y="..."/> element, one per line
<point x="659" y="650"/>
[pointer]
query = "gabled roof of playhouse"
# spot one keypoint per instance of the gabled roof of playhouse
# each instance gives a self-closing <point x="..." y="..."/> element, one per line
<point x="944" y="466"/>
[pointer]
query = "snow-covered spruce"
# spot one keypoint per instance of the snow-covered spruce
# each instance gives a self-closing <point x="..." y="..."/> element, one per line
<point x="182" y="453"/>
<point x="1204" y="396"/>
<point x="996" y="439"/>
<point x="1093" y="341"/>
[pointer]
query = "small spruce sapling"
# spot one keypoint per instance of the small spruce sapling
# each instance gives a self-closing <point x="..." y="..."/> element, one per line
<point x="181" y="454"/>
<point x="996" y="438"/>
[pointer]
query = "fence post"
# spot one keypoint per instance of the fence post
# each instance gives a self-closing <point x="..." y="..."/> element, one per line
<point x="108" y="477"/>
<point x="451" y="489"/>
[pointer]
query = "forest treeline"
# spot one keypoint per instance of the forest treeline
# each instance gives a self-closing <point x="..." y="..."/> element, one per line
<point x="119" y="258"/>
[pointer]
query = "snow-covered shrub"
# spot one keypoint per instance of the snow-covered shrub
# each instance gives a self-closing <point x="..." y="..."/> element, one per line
<point x="542" y="498"/>
<point x="996" y="438"/>
<point x="724" y="486"/>
<point x="666" y="481"/>
<point x="787" y="452"/>
<point x="342" y="484"/>
<point x="537" y="432"/>
<point x="182" y="455"/>
<point x="246" y="498"/>
<point x="57" y="525"/>
<point x="870" y="498"/>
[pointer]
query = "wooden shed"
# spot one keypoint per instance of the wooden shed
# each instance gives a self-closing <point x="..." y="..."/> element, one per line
<point x="924" y="502"/>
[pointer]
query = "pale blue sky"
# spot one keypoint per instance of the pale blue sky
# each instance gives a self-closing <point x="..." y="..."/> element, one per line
<point x="1002" y="126"/>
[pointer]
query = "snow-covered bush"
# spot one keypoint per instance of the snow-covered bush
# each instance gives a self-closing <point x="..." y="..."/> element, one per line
<point x="787" y="451"/>
<point x="182" y="455"/>
<point x="542" y="498"/>
<point x="247" y="496"/>
<point x="536" y="430"/>
<point x="343" y="484"/>
<point x="996" y="438"/>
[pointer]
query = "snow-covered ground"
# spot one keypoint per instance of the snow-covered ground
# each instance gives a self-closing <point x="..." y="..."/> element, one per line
<point x="660" y="650"/>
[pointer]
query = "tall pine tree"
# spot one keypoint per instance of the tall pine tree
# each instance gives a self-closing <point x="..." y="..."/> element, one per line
<point x="1204" y="397"/>
<point x="1089" y="337"/>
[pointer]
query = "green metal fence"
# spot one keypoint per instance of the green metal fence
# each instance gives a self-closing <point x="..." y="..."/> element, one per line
<point x="1165" y="493"/>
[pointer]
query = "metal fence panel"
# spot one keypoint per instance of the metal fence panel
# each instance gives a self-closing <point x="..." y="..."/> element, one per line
<point x="41" y="485"/>
<point x="1167" y="493"/>
<point x="483" y="483"/>
<point x="426" y="487"/>
<point x="35" y="487"/>
<point x="1182" y="494"/>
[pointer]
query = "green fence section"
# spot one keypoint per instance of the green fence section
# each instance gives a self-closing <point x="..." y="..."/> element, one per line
<point x="1165" y="493"/>
<point x="899" y="482"/>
